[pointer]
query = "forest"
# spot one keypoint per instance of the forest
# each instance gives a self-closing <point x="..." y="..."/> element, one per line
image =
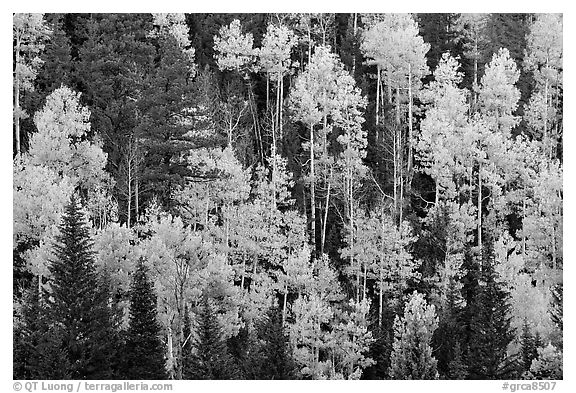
<point x="287" y="196"/>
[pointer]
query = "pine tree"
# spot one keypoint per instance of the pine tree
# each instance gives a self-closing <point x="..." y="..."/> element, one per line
<point x="144" y="350"/>
<point x="412" y="353"/>
<point x="490" y="330"/>
<point x="275" y="353"/>
<point x="449" y="334"/>
<point x="211" y="358"/>
<point x="78" y="305"/>
<point x="457" y="367"/>
<point x="37" y="352"/>
<point x="528" y="348"/>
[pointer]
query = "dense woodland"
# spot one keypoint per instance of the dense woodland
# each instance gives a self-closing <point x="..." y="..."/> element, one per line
<point x="287" y="196"/>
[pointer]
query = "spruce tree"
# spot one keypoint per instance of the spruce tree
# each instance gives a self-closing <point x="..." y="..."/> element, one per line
<point x="528" y="348"/>
<point x="490" y="330"/>
<point x="211" y="359"/>
<point x="144" y="353"/>
<point x="450" y="330"/>
<point x="275" y="354"/>
<point x="78" y="307"/>
<point x="37" y="350"/>
<point x="457" y="367"/>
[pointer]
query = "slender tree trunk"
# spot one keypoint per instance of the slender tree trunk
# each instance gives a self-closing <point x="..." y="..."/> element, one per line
<point x="326" y="215"/>
<point x="377" y="92"/>
<point x="480" y="207"/>
<point x="267" y="91"/>
<point x="523" y="229"/>
<point x="475" y="81"/>
<point x="170" y="346"/>
<point x="410" y="174"/>
<point x="554" y="246"/>
<point x="309" y="43"/>
<point x="257" y="134"/>
<point x="243" y="269"/>
<point x="545" y="138"/>
<point x="284" y="305"/>
<point x="136" y="198"/>
<point x="380" y="295"/>
<point x="129" y="191"/>
<point x="17" y="98"/>
<point x="364" y="283"/>
<point x="395" y="153"/>
<point x="355" y="28"/>
<point x="312" y="189"/>
<point x="280" y="125"/>
<point x="358" y="268"/>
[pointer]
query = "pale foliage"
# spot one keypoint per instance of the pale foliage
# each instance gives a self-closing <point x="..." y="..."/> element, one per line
<point x="499" y="96"/>
<point x="411" y="351"/>
<point x="392" y="42"/>
<point x="274" y="55"/>
<point x="175" y="26"/>
<point x="234" y="50"/>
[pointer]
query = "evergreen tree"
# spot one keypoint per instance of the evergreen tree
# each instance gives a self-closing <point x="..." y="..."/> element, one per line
<point x="211" y="358"/>
<point x="275" y="354"/>
<point x="411" y="353"/>
<point x="78" y="306"/>
<point x="490" y="330"/>
<point x="37" y="352"/>
<point x="457" y="367"/>
<point x="449" y="333"/>
<point x="144" y="350"/>
<point x="528" y="348"/>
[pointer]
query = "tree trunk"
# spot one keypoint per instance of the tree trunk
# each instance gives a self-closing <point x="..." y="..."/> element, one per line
<point x="410" y="174"/>
<point x="17" y="98"/>
<point x="284" y="305"/>
<point x="267" y="91"/>
<point x="554" y="247"/>
<point x="545" y="141"/>
<point x="364" y="283"/>
<point x="380" y="296"/>
<point x="280" y="125"/>
<point x="257" y="134"/>
<point x="136" y="198"/>
<point x="325" y="215"/>
<point x="475" y="82"/>
<point x="355" y="28"/>
<point x="170" y="346"/>
<point x="377" y="93"/>
<point x="312" y="189"/>
<point x="523" y="229"/>
<point x="480" y="207"/>
<point x="129" y="181"/>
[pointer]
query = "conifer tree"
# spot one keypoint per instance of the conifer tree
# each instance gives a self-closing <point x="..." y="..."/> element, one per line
<point x="412" y="353"/>
<point x="457" y="368"/>
<point x="275" y="353"/>
<point x="144" y="350"/>
<point x="37" y="352"/>
<point x="490" y="330"/>
<point x="528" y="348"/>
<point x="211" y="358"/>
<point x="77" y="303"/>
